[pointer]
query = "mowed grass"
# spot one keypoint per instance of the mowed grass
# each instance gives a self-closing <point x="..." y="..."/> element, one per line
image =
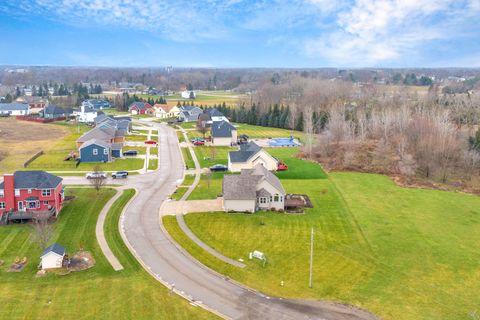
<point x="265" y="132"/>
<point x="400" y="253"/>
<point x="208" y="188"/>
<point x="208" y="155"/>
<point x="152" y="164"/>
<point x="178" y="194"/>
<point x="187" y="157"/>
<point x="297" y="168"/>
<point x="99" y="292"/>
<point x="54" y="162"/>
<point x="138" y="138"/>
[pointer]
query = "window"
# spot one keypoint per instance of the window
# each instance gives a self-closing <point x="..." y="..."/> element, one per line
<point x="2" y="193"/>
<point x="275" y="198"/>
<point x="2" y="205"/>
<point x="105" y="151"/>
<point x="271" y="198"/>
<point x="95" y="152"/>
<point x="29" y="191"/>
<point x="45" y="203"/>
<point x="17" y="192"/>
<point x="263" y="200"/>
<point x="32" y="204"/>
<point x="46" y="192"/>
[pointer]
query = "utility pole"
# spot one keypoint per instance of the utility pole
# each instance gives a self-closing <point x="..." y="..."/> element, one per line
<point x="311" y="258"/>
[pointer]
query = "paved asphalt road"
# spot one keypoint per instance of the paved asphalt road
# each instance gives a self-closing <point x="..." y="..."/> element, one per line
<point x="165" y="261"/>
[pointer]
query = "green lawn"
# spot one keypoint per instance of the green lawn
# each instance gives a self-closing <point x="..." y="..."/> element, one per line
<point x="180" y="136"/>
<point x="141" y="150"/>
<point x="154" y="150"/>
<point x="297" y="168"/>
<point x="188" y="158"/>
<point x="208" y="189"/>
<point x="99" y="292"/>
<point x="400" y="253"/>
<point x="188" y="180"/>
<point x="189" y="125"/>
<point x="178" y="194"/>
<point x="137" y="138"/>
<point x="208" y="156"/>
<point x="152" y="164"/>
<point x="265" y="132"/>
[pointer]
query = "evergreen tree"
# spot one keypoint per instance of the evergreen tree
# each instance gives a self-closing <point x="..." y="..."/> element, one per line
<point x="299" y="122"/>
<point x="18" y="93"/>
<point x="8" y="98"/>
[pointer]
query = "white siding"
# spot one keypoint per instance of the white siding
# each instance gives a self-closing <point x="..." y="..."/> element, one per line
<point x="222" y="141"/>
<point x="262" y="157"/>
<point x="51" y="261"/>
<point x="239" y="205"/>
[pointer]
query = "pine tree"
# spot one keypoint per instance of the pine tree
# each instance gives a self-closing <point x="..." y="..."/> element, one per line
<point x="299" y="122"/>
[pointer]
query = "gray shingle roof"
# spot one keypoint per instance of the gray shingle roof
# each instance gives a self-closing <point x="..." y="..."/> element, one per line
<point x="34" y="180"/>
<point x="104" y="134"/>
<point x="213" y="112"/>
<point x="95" y="142"/>
<point x="53" y="110"/>
<point x="5" y="107"/>
<point x="56" y="248"/>
<point x="222" y="129"/>
<point x="246" y="152"/>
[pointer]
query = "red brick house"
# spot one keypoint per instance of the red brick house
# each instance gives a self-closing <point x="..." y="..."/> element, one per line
<point x="140" y="108"/>
<point x="26" y="192"/>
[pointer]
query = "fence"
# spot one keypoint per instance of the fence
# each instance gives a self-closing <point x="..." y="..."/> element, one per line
<point x="35" y="156"/>
<point x="40" y="120"/>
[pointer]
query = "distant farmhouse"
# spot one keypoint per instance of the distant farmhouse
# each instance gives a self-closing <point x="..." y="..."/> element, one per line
<point x="14" y="109"/>
<point x="189" y="113"/>
<point x="188" y="94"/>
<point x="104" y="142"/>
<point x="52" y="111"/>
<point x="223" y="133"/>
<point x="252" y="190"/>
<point x="249" y="156"/>
<point x="140" y="108"/>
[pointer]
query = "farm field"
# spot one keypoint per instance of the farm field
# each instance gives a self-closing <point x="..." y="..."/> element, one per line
<point x="400" y="253"/>
<point x="98" y="292"/>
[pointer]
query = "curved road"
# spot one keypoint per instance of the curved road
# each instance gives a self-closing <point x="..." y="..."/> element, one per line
<point x="170" y="265"/>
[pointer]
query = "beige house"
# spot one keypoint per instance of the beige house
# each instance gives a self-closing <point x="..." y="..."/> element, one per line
<point x="223" y="133"/>
<point x="252" y="190"/>
<point x="164" y="111"/>
<point x="248" y="156"/>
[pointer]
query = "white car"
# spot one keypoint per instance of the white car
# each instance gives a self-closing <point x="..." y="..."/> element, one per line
<point x="96" y="175"/>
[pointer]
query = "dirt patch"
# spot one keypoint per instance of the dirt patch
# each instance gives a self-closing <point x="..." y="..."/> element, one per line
<point x="13" y="130"/>
<point x="18" y="265"/>
<point x="82" y="260"/>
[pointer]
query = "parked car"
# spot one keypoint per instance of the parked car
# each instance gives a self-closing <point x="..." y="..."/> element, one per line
<point x="219" y="168"/>
<point x="150" y="142"/>
<point x="198" y="142"/>
<point x="96" y="175"/>
<point x="120" y="174"/>
<point x="282" y="166"/>
<point x="198" y="139"/>
<point x="130" y="153"/>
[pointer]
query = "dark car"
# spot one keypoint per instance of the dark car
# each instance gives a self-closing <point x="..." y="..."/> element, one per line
<point x="219" y="168"/>
<point x="130" y="153"/>
<point x="119" y="174"/>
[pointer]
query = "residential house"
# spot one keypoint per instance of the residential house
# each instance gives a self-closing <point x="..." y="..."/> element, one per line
<point x="97" y="104"/>
<point x="248" y="156"/>
<point x="52" y="257"/>
<point x="188" y="94"/>
<point x="215" y="115"/>
<point x="52" y="112"/>
<point x="223" y="134"/>
<point x="189" y="113"/>
<point x="252" y="190"/>
<point x="14" y="109"/>
<point x="31" y="191"/>
<point x="164" y="111"/>
<point x="140" y="108"/>
<point x="86" y="114"/>
<point x="95" y="150"/>
<point x="33" y="101"/>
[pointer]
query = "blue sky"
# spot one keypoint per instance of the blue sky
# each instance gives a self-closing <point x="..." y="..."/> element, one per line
<point x="241" y="33"/>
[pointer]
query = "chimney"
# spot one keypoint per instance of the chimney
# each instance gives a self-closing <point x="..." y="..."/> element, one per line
<point x="9" y="191"/>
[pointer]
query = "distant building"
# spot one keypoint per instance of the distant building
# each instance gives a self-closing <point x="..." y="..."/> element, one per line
<point x="164" y="111"/>
<point x="14" y="109"/>
<point x="97" y="104"/>
<point x="189" y="113"/>
<point x="140" y="108"/>
<point x="188" y="94"/>
<point x="215" y="115"/>
<point x="34" y="102"/>
<point x="52" y="112"/>
<point x="223" y="133"/>
<point x="86" y="114"/>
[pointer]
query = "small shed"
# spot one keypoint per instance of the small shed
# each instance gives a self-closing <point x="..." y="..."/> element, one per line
<point x="52" y="257"/>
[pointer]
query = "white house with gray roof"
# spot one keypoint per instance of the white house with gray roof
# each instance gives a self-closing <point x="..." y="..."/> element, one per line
<point x="14" y="109"/>
<point x="252" y="190"/>
<point x="248" y="156"/>
<point x="223" y="133"/>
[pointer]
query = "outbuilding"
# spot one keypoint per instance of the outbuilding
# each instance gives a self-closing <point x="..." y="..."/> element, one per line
<point x="52" y="257"/>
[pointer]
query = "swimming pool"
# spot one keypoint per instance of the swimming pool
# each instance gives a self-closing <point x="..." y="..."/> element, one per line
<point x="283" y="142"/>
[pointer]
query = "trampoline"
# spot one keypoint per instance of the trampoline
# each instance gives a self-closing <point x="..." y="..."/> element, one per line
<point x="283" y="142"/>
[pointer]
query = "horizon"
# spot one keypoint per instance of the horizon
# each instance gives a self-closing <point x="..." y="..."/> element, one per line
<point x="237" y="34"/>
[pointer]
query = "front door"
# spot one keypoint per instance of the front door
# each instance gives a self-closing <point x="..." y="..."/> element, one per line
<point x="20" y="206"/>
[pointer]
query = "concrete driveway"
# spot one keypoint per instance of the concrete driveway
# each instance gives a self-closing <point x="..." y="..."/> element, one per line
<point x="189" y="206"/>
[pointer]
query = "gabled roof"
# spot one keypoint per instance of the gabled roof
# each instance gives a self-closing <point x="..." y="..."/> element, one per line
<point x="140" y="105"/>
<point x="97" y="103"/>
<point x="100" y="133"/>
<point x="222" y="129"/>
<point x="261" y="171"/>
<point x="95" y="142"/>
<point x="53" y="109"/>
<point x="4" y="107"/>
<point x="31" y="99"/>
<point x="246" y="152"/>
<point x="34" y="180"/>
<point x="213" y="112"/>
<point x="55" y="248"/>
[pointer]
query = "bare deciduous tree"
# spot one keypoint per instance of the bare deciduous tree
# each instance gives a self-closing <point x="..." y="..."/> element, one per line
<point x="98" y="180"/>
<point x="42" y="229"/>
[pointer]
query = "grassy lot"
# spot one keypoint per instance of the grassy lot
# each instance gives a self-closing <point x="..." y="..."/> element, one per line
<point x="208" y="156"/>
<point x="178" y="194"/>
<point x="139" y="131"/>
<point x="400" y="253"/>
<point x="188" y="125"/>
<point x="152" y="164"/>
<point x="188" y="158"/>
<point x="180" y="136"/>
<point x="188" y="180"/>
<point x="98" y="292"/>
<point x="265" y="132"/>
<point x="208" y="189"/>
<point x="136" y="137"/>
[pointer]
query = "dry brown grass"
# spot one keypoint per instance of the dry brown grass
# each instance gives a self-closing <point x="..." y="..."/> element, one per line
<point x="19" y="140"/>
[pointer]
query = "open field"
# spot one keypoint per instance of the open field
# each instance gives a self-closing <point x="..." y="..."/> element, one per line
<point x="400" y="253"/>
<point x="98" y="292"/>
<point x="265" y="132"/>
<point x="206" y="98"/>
<point x="20" y="140"/>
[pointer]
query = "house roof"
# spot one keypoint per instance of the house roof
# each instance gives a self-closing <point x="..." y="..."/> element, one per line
<point x="55" y="248"/>
<point x="34" y="180"/>
<point x="95" y="142"/>
<point x="99" y="133"/>
<point x="222" y="129"/>
<point x="213" y="112"/>
<point x="263" y="193"/>
<point x="97" y="103"/>
<point x="261" y="171"/>
<point x="139" y="105"/>
<point x="13" y="106"/>
<point x="31" y="99"/>
<point x="53" y="109"/>
<point x="246" y="152"/>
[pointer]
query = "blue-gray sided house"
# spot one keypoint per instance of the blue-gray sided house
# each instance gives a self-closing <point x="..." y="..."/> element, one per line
<point x="95" y="151"/>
